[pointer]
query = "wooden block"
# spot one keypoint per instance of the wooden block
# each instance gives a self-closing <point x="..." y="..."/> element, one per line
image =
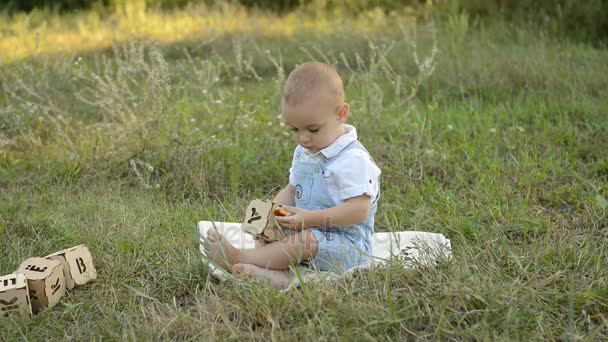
<point x="256" y="216"/>
<point x="45" y="281"/>
<point x="78" y="267"/>
<point x="260" y="221"/>
<point x="14" y="296"/>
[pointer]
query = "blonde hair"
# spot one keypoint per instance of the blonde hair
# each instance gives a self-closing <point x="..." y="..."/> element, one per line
<point x="313" y="79"/>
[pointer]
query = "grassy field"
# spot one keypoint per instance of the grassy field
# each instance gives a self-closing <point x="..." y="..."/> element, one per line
<point x="122" y="132"/>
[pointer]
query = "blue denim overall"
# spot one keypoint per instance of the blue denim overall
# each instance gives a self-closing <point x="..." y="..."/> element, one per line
<point x="339" y="249"/>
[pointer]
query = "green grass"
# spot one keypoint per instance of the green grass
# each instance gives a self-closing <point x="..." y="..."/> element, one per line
<point x="501" y="147"/>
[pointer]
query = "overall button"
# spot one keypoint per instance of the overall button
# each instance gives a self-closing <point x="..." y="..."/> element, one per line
<point x="317" y="170"/>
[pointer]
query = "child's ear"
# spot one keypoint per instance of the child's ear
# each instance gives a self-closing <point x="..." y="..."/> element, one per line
<point x="343" y="112"/>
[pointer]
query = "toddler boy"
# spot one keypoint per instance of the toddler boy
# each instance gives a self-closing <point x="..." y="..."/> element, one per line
<point x="332" y="193"/>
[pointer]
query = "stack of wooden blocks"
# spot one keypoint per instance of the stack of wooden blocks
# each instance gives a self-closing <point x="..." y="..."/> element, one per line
<point x="39" y="283"/>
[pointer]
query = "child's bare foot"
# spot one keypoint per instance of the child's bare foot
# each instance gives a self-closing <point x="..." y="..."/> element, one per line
<point x="219" y="250"/>
<point x="276" y="278"/>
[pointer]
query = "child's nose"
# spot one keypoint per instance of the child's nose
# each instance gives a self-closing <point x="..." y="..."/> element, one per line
<point x="305" y="137"/>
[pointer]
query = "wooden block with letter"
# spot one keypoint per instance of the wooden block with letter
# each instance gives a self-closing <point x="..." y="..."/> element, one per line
<point x="14" y="295"/>
<point x="77" y="264"/>
<point x="45" y="281"/>
<point x="260" y="220"/>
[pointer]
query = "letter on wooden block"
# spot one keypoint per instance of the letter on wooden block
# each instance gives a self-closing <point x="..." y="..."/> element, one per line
<point x="45" y="281"/>
<point x="78" y="265"/>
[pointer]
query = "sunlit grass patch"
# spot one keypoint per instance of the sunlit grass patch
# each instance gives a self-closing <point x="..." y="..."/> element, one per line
<point x="24" y="35"/>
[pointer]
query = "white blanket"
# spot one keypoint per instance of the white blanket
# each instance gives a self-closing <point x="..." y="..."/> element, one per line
<point x="408" y="248"/>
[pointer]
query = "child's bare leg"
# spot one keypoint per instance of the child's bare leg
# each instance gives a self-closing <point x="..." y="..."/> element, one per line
<point x="281" y="254"/>
<point x="276" y="278"/>
<point x="277" y="255"/>
<point x="260" y="243"/>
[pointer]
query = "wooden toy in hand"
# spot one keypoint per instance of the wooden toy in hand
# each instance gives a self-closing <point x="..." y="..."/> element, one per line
<point x="260" y="220"/>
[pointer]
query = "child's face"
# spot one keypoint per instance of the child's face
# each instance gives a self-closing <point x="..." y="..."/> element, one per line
<point x="314" y="125"/>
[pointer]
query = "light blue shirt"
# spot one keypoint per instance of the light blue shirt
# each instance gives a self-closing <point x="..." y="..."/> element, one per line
<point x="352" y="174"/>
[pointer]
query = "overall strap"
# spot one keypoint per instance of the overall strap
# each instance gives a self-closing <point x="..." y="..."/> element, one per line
<point x="354" y="144"/>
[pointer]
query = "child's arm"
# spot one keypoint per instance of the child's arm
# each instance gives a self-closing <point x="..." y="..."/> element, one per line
<point x="286" y="196"/>
<point x="352" y="211"/>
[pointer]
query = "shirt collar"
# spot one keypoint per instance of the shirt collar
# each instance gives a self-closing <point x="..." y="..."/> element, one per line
<point x="340" y="143"/>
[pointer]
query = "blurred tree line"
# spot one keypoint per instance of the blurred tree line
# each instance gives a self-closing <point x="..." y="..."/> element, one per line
<point x="586" y="18"/>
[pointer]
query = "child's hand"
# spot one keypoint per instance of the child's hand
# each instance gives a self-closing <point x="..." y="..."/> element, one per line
<point x="297" y="220"/>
